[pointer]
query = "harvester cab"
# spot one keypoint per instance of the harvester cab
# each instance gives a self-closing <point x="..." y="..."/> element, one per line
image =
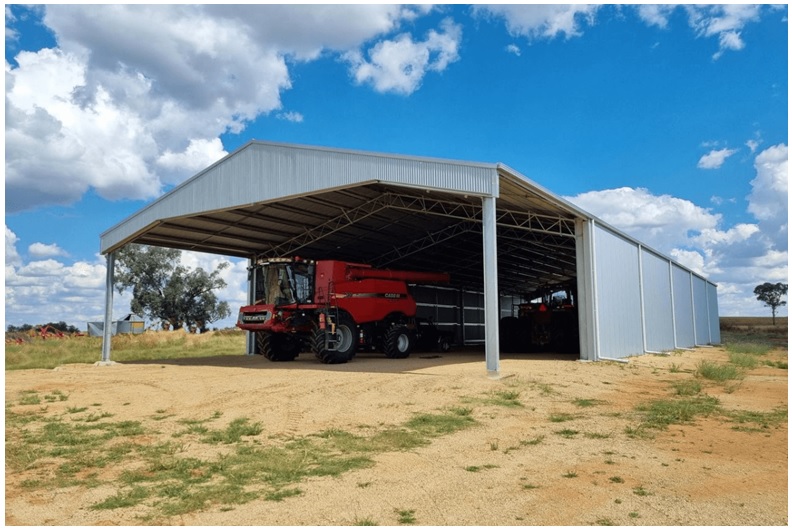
<point x="284" y="282"/>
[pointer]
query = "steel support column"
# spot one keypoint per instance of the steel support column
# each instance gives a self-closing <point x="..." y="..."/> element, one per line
<point x="491" y="295"/>
<point x="586" y="290"/>
<point x="108" y="318"/>
<point x="250" y="337"/>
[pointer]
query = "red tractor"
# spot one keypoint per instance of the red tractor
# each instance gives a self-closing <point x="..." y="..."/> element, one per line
<point x="332" y="308"/>
<point x="549" y="322"/>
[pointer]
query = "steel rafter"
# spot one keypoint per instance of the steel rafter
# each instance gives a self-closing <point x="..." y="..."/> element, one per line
<point x="346" y="218"/>
<point x="430" y="240"/>
<point x="528" y="221"/>
<point x="538" y="224"/>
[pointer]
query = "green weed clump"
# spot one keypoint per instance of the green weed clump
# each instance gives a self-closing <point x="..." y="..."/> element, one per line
<point x="687" y="387"/>
<point x="561" y="417"/>
<point x="405" y="516"/>
<point x="435" y="424"/>
<point x="743" y="360"/>
<point x="752" y="347"/>
<point x="717" y="372"/>
<point x="504" y="398"/>
<point x="757" y="421"/>
<point x="660" y="414"/>
<point x="587" y="402"/>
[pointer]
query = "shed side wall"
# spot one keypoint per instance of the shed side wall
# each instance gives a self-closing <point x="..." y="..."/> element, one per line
<point x="618" y="303"/>
<point x="658" y="308"/>
<point x="714" y="315"/>
<point x="701" y="312"/>
<point x="683" y="308"/>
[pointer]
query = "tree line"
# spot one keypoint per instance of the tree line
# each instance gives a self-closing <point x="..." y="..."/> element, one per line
<point x="60" y="326"/>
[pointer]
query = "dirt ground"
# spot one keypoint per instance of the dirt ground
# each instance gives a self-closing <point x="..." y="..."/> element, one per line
<point x="701" y="473"/>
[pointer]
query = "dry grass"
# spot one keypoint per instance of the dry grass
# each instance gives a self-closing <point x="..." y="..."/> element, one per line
<point x="38" y="353"/>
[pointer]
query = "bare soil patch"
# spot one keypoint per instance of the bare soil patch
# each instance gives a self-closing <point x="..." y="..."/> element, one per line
<point x="564" y="451"/>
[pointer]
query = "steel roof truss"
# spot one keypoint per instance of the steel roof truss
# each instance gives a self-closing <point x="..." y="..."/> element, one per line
<point x="430" y="240"/>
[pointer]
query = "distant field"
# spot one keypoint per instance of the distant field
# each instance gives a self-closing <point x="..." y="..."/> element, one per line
<point x="736" y="322"/>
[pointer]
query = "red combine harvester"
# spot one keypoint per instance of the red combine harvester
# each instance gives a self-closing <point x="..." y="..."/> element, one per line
<point x="332" y="308"/>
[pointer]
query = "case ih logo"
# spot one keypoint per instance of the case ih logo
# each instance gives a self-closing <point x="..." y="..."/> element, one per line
<point x="259" y="317"/>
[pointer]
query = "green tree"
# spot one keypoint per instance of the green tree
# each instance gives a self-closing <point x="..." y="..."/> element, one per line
<point x="165" y="290"/>
<point x="770" y="295"/>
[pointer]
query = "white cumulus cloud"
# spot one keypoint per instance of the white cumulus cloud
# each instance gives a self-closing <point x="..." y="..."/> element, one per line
<point x="769" y="197"/>
<point x="199" y="154"/>
<point x="399" y="65"/>
<point x="291" y="116"/>
<point x="513" y="49"/>
<point x="134" y="98"/>
<point x="12" y="257"/>
<point x="724" y="21"/>
<point x="541" y="21"/>
<point x="663" y="222"/>
<point x="715" y="158"/>
<point x="655" y="15"/>
<point x="43" y="250"/>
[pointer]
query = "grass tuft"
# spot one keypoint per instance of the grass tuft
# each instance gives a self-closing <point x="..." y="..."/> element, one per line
<point x="435" y="424"/>
<point x="405" y="516"/>
<point x="751" y="348"/>
<point x="587" y="402"/>
<point x="743" y="360"/>
<point x="561" y="417"/>
<point x="716" y="372"/>
<point x="659" y="414"/>
<point x="237" y="429"/>
<point x="687" y="387"/>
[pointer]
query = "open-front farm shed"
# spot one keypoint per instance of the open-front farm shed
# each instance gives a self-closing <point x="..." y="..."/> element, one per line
<point x="498" y="234"/>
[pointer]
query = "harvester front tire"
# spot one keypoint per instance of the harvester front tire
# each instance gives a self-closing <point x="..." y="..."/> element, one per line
<point x="399" y="341"/>
<point x="346" y="329"/>
<point x="277" y="347"/>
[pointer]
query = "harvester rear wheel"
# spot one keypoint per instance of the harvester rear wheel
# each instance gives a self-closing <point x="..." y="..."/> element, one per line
<point x="346" y="333"/>
<point x="399" y="341"/>
<point x="277" y="347"/>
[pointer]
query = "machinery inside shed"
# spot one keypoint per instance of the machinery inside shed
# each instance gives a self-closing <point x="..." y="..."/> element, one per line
<point x="402" y="228"/>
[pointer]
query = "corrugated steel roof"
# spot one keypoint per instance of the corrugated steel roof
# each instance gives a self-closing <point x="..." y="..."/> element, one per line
<point x="391" y="211"/>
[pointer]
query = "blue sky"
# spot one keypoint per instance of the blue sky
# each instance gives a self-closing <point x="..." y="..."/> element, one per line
<point x="669" y="122"/>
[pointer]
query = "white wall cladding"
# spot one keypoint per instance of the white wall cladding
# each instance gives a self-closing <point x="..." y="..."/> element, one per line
<point x="618" y="297"/>
<point x="644" y="302"/>
<point x="714" y="314"/>
<point x="700" y="311"/>
<point x="683" y="308"/>
<point x="657" y="302"/>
